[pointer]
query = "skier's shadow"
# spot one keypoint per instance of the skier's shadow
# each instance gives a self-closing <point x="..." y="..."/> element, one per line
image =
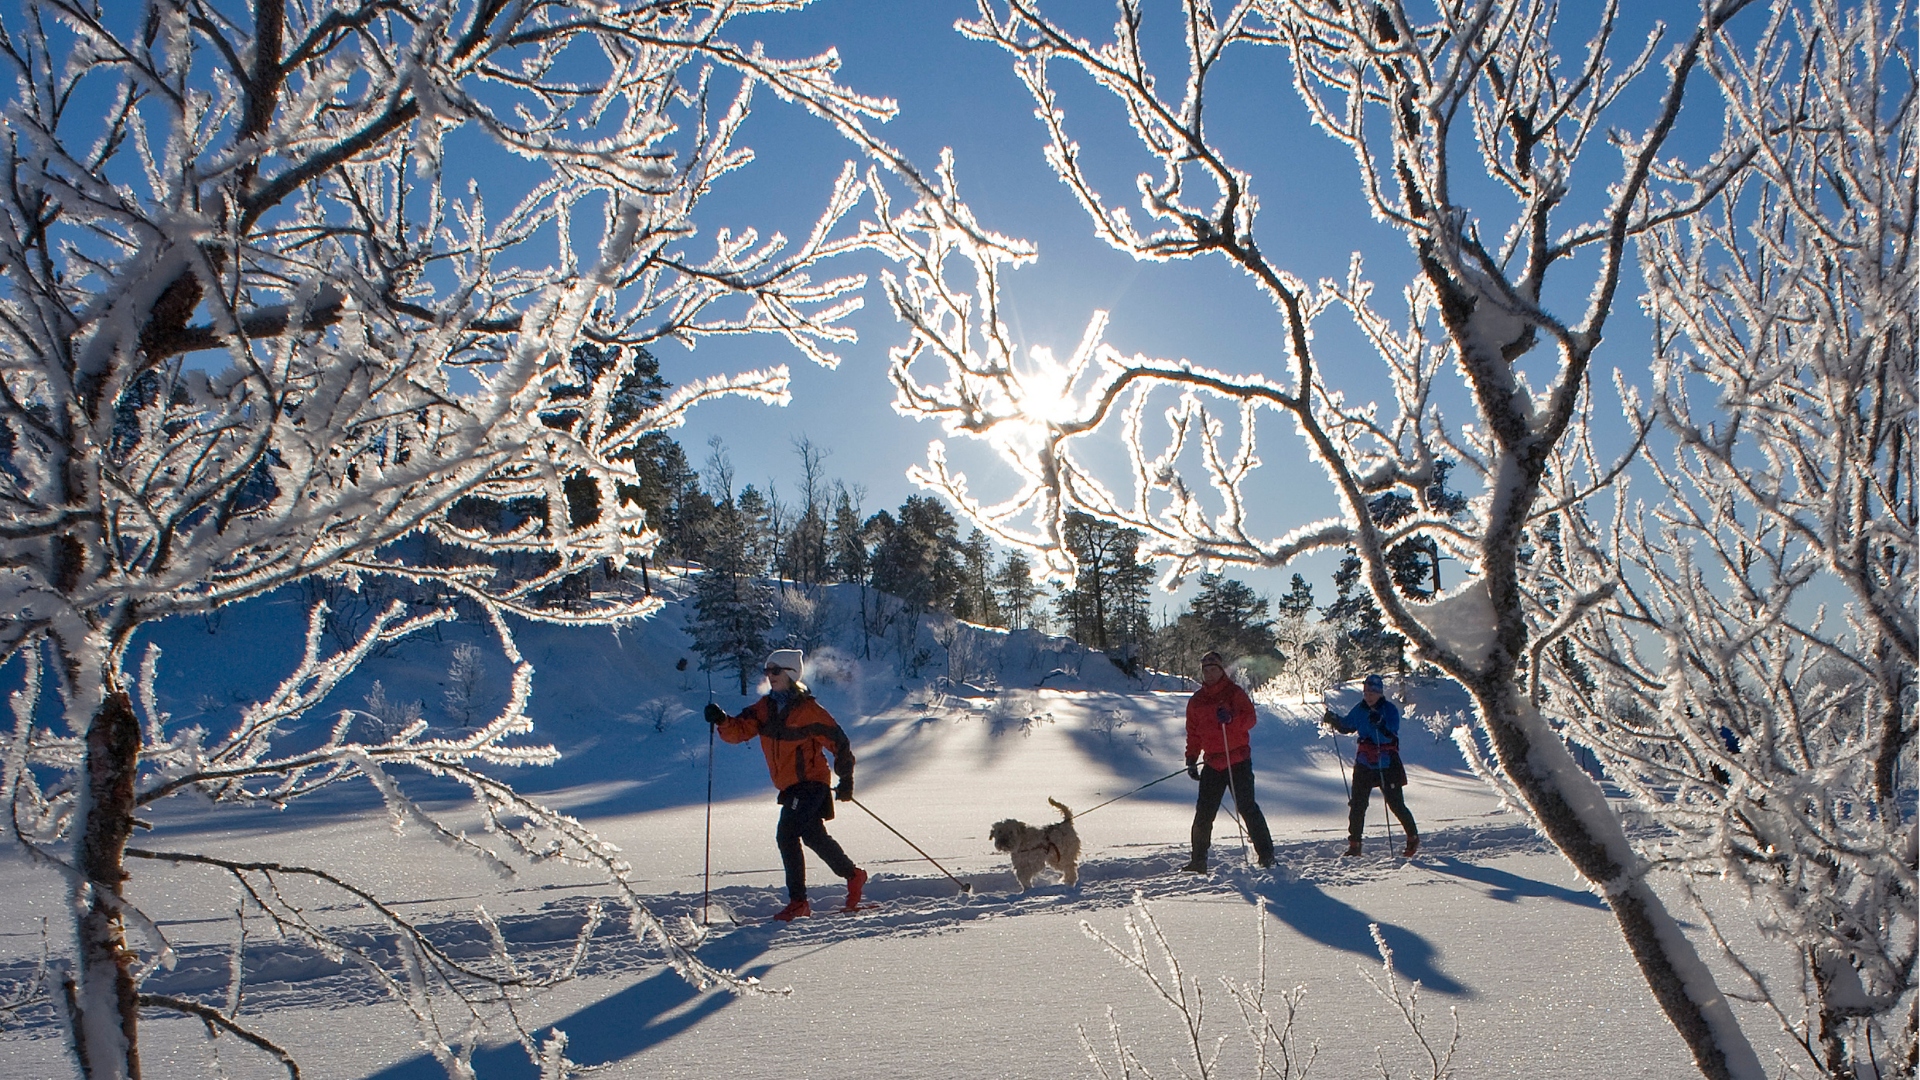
<point x="1320" y="917"/>
<point x="643" y="1015"/>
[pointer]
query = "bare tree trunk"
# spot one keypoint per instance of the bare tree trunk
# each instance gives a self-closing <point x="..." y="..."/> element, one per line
<point x="106" y="1012"/>
<point x="1567" y="803"/>
<point x="1548" y="777"/>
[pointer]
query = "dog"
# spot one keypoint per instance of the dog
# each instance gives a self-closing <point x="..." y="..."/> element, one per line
<point x="1056" y="845"/>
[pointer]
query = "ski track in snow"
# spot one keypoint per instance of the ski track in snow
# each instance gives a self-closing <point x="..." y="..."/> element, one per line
<point x="283" y="974"/>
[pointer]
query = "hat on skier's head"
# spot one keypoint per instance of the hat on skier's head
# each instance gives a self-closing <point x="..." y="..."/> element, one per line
<point x="785" y="658"/>
<point x="1214" y="659"/>
<point x="1373" y="682"/>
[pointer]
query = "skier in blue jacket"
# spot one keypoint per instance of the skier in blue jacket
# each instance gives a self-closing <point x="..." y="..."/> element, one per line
<point x="1376" y="761"/>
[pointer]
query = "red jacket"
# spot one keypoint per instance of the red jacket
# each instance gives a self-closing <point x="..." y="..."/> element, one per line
<point x="794" y="743"/>
<point x="1224" y="743"/>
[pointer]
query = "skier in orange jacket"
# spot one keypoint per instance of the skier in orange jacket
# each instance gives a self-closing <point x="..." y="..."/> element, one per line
<point x="796" y="732"/>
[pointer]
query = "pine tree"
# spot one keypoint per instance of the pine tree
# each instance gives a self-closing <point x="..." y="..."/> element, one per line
<point x="1298" y="599"/>
<point x="1225" y="616"/>
<point x="976" y="601"/>
<point x="1106" y="606"/>
<point x="760" y="526"/>
<point x="733" y="607"/>
<point x="851" y="555"/>
<point x="1016" y="593"/>
<point x="917" y="555"/>
<point x="1361" y="636"/>
<point x="1414" y="563"/>
<point x="1234" y="614"/>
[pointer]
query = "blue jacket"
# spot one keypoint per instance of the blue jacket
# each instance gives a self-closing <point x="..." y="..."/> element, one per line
<point x="1378" y="728"/>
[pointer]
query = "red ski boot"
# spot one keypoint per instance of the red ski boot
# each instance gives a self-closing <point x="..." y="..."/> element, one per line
<point x="799" y="909"/>
<point x="854" y="884"/>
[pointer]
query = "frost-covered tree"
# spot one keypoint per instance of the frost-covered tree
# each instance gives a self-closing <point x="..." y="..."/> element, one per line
<point x="1750" y="677"/>
<point x="1520" y="163"/>
<point x="285" y="285"/>
<point x="1309" y="655"/>
<point x="806" y="555"/>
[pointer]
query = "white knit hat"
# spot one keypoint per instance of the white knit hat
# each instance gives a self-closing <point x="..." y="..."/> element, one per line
<point x="785" y="658"/>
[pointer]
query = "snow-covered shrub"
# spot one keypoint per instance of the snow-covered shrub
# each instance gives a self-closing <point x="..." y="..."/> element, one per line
<point x="1112" y="725"/>
<point x="1016" y="710"/>
<point x="1310" y="662"/>
<point x="1270" y="1021"/>
<point x="808" y="621"/>
<point x="658" y="714"/>
<point x="387" y="719"/>
<point x="466" y="672"/>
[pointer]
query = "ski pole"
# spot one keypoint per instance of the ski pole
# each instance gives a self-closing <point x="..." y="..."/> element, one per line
<point x="706" y="887"/>
<point x="1233" y="789"/>
<point x="964" y="887"/>
<point x="1327" y="715"/>
<point x="1341" y="761"/>
<point x="1386" y="811"/>
<point x="1135" y="791"/>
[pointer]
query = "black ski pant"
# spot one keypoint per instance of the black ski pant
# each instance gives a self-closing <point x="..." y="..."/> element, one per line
<point x="1392" y="782"/>
<point x="1215" y="783"/>
<point x="804" y="809"/>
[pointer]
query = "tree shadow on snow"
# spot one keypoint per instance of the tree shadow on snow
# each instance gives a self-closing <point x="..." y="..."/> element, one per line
<point x="623" y="1024"/>
<point x="1320" y="917"/>
<point x="1509" y="888"/>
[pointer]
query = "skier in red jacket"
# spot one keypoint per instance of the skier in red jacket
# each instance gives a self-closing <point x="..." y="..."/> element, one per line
<point x="1219" y="717"/>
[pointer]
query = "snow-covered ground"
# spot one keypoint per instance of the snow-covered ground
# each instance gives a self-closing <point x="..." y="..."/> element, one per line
<point x="933" y="982"/>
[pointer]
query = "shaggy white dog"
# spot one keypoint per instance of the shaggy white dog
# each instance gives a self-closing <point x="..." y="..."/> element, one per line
<point x="1056" y="845"/>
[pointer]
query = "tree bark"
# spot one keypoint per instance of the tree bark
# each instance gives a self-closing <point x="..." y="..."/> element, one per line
<point x="107" y="1007"/>
<point x="1659" y="946"/>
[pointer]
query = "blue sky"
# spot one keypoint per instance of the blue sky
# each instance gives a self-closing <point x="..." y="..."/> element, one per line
<point x="954" y="92"/>
<point x="958" y="93"/>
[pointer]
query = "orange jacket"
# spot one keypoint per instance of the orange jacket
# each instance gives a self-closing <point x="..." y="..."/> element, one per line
<point x="1224" y="743"/>
<point x="793" y="743"/>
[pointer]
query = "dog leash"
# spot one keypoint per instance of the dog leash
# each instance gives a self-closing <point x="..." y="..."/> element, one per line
<point x="964" y="887"/>
<point x="1135" y="791"/>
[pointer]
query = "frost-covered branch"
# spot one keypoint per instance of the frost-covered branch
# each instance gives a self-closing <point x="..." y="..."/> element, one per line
<point x="336" y="295"/>
<point x="1752" y="683"/>
<point x="1507" y="297"/>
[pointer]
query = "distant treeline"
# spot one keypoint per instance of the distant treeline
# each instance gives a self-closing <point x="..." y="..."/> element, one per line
<point x="916" y="553"/>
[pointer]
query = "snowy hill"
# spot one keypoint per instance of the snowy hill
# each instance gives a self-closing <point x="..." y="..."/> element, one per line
<point x="936" y="982"/>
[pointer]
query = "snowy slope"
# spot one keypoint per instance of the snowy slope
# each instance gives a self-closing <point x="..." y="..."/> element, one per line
<point x="935" y="982"/>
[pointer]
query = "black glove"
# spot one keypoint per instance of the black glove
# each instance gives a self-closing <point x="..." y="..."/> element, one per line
<point x="1193" y="768"/>
<point x="1331" y="719"/>
<point x="844" y="791"/>
<point x="715" y="714"/>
